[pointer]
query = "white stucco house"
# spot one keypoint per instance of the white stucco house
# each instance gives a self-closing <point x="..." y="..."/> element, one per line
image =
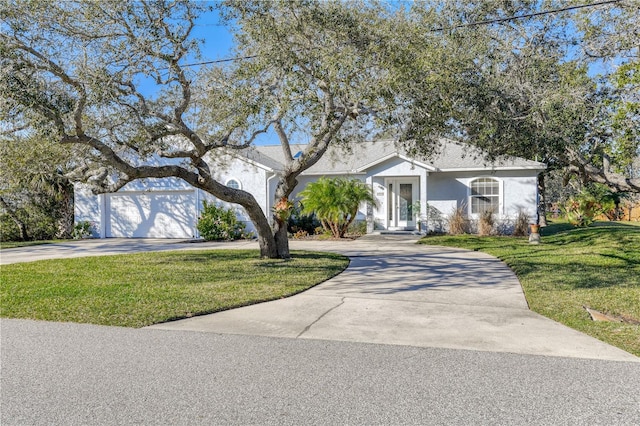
<point x="412" y="193"/>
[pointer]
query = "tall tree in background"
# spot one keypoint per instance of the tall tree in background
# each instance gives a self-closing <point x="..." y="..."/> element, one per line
<point x="35" y="192"/>
<point x="518" y="87"/>
<point x="509" y="90"/>
<point x="611" y="42"/>
<point x="111" y="76"/>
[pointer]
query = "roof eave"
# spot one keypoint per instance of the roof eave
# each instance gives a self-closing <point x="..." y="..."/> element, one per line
<point x="332" y="173"/>
<point x="428" y="167"/>
<point x="255" y="163"/>
<point x="499" y="168"/>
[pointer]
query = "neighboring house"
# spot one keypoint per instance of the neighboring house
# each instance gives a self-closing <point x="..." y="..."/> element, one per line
<point x="412" y="193"/>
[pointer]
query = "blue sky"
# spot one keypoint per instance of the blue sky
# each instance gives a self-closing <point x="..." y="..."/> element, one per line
<point x="218" y="41"/>
<point x="218" y="44"/>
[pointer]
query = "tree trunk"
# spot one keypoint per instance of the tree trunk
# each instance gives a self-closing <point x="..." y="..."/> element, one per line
<point x="282" y="240"/>
<point x="274" y="243"/>
<point x="65" y="223"/>
<point x="266" y="238"/>
<point x="22" y="227"/>
<point x="283" y="190"/>
<point x="542" y="205"/>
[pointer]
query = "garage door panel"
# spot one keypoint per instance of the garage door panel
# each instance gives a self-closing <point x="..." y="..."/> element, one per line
<point x="152" y="215"/>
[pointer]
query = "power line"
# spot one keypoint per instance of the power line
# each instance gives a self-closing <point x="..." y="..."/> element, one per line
<point x="528" y="15"/>
<point x="470" y="24"/>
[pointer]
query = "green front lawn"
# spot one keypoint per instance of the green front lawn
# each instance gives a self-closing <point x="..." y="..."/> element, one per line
<point x="142" y="289"/>
<point x="597" y="267"/>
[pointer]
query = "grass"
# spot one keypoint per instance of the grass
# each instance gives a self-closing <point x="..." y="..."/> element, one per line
<point x="15" y="244"/>
<point x="137" y="290"/>
<point x="597" y="267"/>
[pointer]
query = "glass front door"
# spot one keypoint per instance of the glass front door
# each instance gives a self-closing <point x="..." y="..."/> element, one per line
<point x="402" y="193"/>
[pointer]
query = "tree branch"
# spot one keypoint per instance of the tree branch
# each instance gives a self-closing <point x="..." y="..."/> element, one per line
<point x="617" y="182"/>
<point x="284" y="140"/>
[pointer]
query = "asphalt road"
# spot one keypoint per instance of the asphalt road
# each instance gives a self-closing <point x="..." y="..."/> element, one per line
<point x="71" y="374"/>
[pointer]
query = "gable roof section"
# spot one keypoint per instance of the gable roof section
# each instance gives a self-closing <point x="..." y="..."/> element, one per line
<point x="453" y="156"/>
<point x="259" y="159"/>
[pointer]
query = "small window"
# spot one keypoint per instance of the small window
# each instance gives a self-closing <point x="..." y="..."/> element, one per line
<point x="232" y="183"/>
<point x="485" y="195"/>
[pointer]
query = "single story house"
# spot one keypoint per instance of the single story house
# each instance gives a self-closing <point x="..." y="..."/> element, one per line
<point x="412" y="194"/>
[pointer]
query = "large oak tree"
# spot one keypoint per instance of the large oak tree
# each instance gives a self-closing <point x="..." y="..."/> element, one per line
<point x="113" y="77"/>
<point x="520" y="83"/>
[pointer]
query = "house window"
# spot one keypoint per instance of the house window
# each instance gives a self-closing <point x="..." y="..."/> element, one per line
<point x="485" y="195"/>
<point x="232" y="183"/>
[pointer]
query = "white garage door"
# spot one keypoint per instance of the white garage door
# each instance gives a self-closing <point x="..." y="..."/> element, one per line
<point x="166" y="214"/>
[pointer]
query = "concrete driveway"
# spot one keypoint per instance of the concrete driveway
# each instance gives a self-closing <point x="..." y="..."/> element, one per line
<point x="398" y="292"/>
<point x="393" y="292"/>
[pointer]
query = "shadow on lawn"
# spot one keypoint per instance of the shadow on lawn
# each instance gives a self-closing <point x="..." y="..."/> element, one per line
<point x="600" y="256"/>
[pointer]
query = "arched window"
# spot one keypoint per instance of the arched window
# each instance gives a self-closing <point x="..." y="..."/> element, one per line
<point x="485" y="195"/>
<point x="232" y="183"/>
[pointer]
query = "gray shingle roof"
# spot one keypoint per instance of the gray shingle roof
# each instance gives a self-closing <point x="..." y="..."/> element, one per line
<point x="338" y="160"/>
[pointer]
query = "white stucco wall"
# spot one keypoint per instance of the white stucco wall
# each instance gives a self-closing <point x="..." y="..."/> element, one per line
<point x="443" y="191"/>
<point x="95" y="208"/>
<point x="450" y="190"/>
<point x="252" y="178"/>
<point x="88" y="208"/>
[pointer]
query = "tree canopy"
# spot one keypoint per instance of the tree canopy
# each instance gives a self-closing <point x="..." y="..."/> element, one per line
<point x="113" y="78"/>
<point x="79" y="72"/>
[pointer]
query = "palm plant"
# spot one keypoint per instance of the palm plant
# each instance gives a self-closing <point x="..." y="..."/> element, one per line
<point x="335" y="202"/>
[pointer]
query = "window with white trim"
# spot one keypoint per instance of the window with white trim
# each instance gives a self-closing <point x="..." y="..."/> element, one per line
<point x="485" y="195"/>
<point x="232" y="183"/>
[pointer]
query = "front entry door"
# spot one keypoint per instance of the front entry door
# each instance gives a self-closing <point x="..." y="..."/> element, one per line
<point x="402" y="194"/>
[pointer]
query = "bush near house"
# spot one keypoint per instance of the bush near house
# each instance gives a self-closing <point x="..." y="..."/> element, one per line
<point x="521" y="226"/>
<point x="486" y="223"/>
<point x="300" y="223"/>
<point x="458" y="221"/>
<point x="217" y="223"/>
<point x="335" y="202"/>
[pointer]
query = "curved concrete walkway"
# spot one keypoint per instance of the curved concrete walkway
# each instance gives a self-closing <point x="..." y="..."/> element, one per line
<point x="397" y="292"/>
<point x="393" y="292"/>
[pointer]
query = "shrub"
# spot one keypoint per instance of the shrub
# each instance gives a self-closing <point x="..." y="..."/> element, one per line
<point x="358" y="227"/>
<point x="82" y="229"/>
<point x="217" y="223"/>
<point x="458" y="222"/>
<point x="594" y="200"/>
<point x="581" y="210"/>
<point x="335" y="201"/>
<point x="40" y="225"/>
<point x="8" y="229"/>
<point x="302" y="222"/>
<point x="486" y="221"/>
<point x="300" y="234"/>
<point x="521" y="227"/>
<point x="320" y="230"/>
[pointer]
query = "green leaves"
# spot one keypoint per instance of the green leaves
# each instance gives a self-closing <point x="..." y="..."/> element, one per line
<point x="335" y="202"/>
<point x="217" y="223"/>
